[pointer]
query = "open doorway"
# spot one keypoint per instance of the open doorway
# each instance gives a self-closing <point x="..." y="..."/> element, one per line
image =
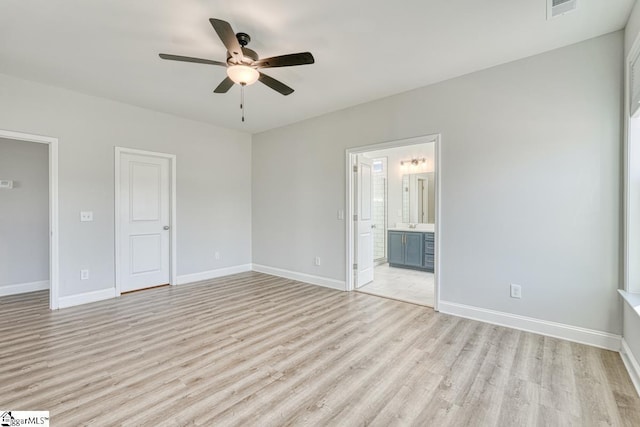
<point x="393" y="239"/>
<point x="28" y="209"/>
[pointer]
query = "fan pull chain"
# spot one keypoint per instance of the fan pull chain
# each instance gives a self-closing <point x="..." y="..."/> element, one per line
<point x="242" y="99"/>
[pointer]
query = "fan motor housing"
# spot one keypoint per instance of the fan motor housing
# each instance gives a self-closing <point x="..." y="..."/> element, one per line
<point x="243" y="39"/>
<point x="249" y="55"/>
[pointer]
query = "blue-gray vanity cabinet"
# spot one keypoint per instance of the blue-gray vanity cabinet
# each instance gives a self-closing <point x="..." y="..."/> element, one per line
<point x="411" y="249"/>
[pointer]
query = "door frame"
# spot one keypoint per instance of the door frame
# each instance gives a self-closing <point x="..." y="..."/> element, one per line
<point x="350" y="156"/>
<point x="173" y="270"/>
<point x="54" y="257"/>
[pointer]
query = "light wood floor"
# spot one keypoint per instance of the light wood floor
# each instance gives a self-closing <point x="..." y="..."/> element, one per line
<point x="255" y="350"/>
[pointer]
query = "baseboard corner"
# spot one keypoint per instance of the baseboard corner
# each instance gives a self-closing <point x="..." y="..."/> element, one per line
<point x="311" y="279"/>
<point x="577" y="334"/>
<point x="213" y="274"/>
<point x="86" y="298"/>
<point x="22" y="288"/>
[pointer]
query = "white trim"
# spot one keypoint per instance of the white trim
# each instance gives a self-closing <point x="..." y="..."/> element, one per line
<point x="629" y="360"/>
<point x="22" y="288"/>
<point x="631" y="298"/>
<point x="529" y="324"/>
<point x="212" y="274"/>
<point x="632" y="365"/>
<point x="173" y="247"/>
<point x="54" y="259"/>
<point x="349" y="229"/>
<point x="20" y="136"/>
<point x="87" y="297"/>
<point x="625" y="173"/>
<point x="301" y="277"/>
<point x="438" y="223"/>
<point x="173" y="251"/>
<point x="626" y="163"/>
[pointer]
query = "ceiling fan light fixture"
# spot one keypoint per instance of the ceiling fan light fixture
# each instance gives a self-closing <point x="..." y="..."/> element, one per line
<point x="243" y="74"/>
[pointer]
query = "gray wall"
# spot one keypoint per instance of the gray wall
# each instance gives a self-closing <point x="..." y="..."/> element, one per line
<point x="530" y="183"/>
<point x="213" y="174"/>
<point x="24" y="213"/>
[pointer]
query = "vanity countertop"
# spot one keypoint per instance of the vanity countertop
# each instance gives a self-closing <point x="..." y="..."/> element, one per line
<point x="420" y="228"/>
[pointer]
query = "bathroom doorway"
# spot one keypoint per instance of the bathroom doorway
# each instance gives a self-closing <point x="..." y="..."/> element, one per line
<point x="404" y="236"/>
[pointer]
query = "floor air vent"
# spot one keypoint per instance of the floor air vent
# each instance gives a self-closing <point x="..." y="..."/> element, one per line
<point x="560" y="7"/>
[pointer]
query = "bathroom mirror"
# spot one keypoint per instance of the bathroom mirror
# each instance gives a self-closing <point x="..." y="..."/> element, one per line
<point x="418" y="198"/>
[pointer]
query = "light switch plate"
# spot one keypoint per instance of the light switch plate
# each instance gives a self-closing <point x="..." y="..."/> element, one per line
<point x="516" y="291"/>
<point x="7" y="184"/>
<point x="86" y="216"/>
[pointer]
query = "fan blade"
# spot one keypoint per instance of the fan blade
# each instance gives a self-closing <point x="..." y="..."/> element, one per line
<point x="285" y="60"/>
<point x="228" y="37"/>
<point x="224" y="86"/>
<point x="275" y="84"/>
<point x="189" y="59"/>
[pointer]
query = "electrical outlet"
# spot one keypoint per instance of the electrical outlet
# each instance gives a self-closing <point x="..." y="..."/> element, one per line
<point x="516" y="291"/>
<point x="217" y="255"/>
<point x="86" y="216"/>
<point x="84" y="274"/>
<point x="340" y="214"/>
<point x="316" y="261"/>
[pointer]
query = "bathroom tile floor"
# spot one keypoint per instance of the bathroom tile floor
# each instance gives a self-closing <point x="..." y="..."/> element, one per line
<point x="401" y="284"/>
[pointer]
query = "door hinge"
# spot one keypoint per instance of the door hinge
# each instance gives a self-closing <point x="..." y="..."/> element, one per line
<point x="355" y="266"/>
<point x="355" y="168"/>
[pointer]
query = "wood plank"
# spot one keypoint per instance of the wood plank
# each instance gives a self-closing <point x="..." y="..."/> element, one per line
<point x="253" y="349"/>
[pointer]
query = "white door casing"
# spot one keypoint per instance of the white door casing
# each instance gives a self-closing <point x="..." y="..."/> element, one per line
<point x="364" y="222"/>
<point x="54" y="254"/>
<point x="144" y="221"/>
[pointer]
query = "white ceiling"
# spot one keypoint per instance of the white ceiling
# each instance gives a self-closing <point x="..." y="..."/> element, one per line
<point x="364" y="49"/>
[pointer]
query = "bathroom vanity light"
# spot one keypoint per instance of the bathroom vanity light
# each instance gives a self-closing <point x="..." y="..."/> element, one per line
<point x="414" y="162"/>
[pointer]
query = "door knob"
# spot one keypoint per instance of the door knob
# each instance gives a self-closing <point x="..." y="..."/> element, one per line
<point x="166" y="227"/>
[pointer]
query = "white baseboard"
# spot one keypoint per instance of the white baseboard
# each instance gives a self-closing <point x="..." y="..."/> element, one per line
<point x="212" y="274"/>
<point x="87" y="297"/>
<point x="301" y="277"/>
<point x="632" y="365"/>
<point x="21" y="288"/>
<point x="529" y="324"/>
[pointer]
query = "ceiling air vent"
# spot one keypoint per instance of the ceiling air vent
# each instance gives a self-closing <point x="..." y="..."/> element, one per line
<point x="560" y="7"/>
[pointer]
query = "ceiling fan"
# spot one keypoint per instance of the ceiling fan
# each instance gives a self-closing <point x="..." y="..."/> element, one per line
<point x="243" y="63"/>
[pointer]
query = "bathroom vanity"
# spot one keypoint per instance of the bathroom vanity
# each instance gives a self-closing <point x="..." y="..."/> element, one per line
<point x="411" y="248"/>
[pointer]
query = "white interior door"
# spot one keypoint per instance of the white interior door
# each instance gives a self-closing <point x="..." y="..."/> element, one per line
<point x="144" y="221"/>
<point x="364" y="222"/>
